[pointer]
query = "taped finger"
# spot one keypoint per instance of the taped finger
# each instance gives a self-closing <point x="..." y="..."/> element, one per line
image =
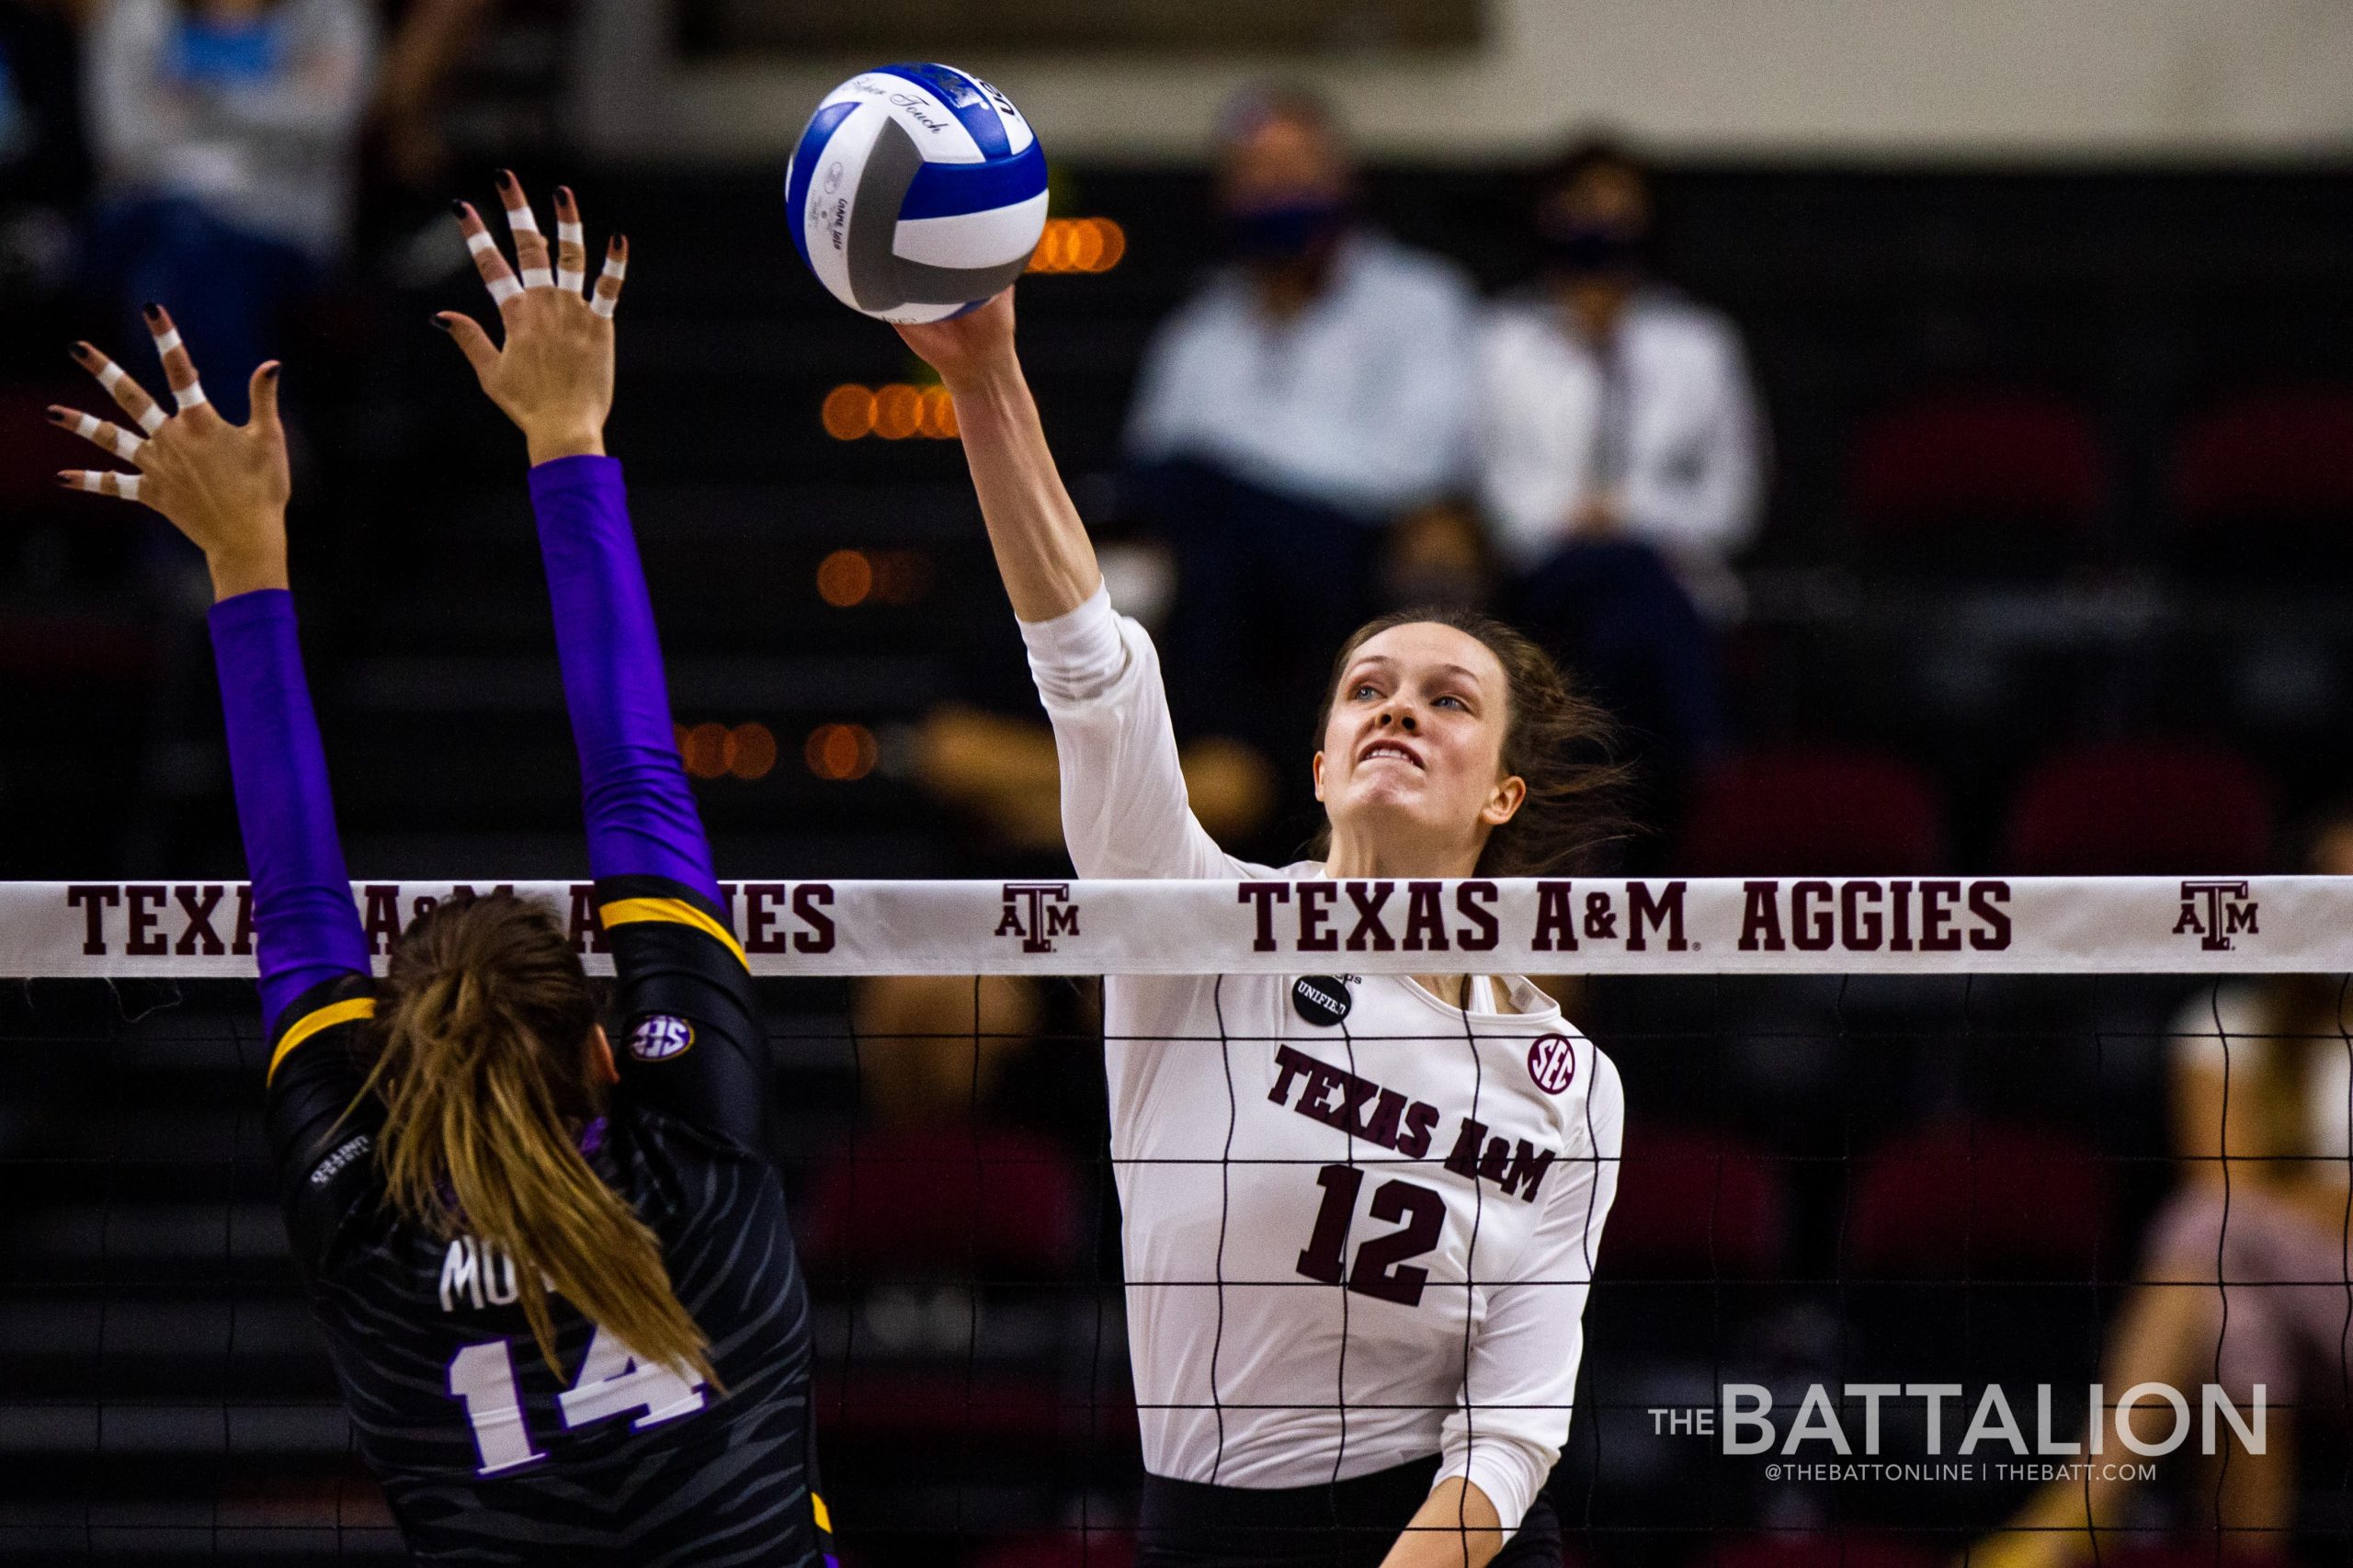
<point x="496" y="276"/>
<point x="127" y="394"/>
<point x="98" y="432"/>
<point x="571" y="243"/>
<point x="531" y="246"/>
<point x="608" y="281"/>
<point x="96" y="482"/>
<point x="179" y="369"/>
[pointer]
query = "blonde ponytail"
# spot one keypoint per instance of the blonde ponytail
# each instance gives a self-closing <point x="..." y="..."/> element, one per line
<point x="486" y="1084"/>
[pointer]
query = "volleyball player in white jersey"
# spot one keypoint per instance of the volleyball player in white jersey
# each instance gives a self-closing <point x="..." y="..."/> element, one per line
<point x="1360" y="1213"/>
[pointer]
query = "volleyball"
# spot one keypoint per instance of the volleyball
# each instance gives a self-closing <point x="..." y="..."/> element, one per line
<point x="916" y="192"/>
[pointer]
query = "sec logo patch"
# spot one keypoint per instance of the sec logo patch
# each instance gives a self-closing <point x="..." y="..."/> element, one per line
<point x="1553" y="1063"/>
<point x="661" y="1037"/>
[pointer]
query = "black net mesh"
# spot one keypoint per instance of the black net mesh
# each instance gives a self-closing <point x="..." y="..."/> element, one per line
<point x="1899" y="1193"/>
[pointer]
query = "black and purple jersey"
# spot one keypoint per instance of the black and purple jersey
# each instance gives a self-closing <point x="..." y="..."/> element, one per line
<point x="487" y="1453"/>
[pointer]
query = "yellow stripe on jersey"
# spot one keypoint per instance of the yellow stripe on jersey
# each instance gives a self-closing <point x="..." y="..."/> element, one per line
<point x="677" y="911"/>
<point x="825" y="1516"/>
<point x="311" y="1023"/>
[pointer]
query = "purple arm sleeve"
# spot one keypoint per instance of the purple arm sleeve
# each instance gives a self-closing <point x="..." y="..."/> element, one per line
<point x="304" y="923"/>
<point x="641" y="816"/>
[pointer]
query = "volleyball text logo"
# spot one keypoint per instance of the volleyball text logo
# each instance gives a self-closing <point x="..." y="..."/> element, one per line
<point x="2215" y="912"/>
<point x="1038" y="913"/>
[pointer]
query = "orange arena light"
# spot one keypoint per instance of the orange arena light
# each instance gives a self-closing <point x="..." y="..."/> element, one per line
<point x="1079" y="244"/>
<point x="849" y="412"/>
<point x="939" y="417"/>
<point x="704" y="750"/>
<point x="751" y="750"/>
<point x="901" y="576"/>
<point x="845" y="578"/>
<point x="898" y="412"/>
<point x="840" y="752"/>
<point x="893" y="412"/>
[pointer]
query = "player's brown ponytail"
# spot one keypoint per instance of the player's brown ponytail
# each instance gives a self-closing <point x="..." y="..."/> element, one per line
<point x="486" y="1080"/>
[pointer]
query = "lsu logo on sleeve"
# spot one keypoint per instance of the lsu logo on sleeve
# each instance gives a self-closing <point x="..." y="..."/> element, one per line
<point x="660" y="1037"/>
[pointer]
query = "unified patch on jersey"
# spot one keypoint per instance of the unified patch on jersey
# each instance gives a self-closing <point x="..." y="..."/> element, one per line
<point x="1553" y="1063"/>
<point x="661" y="1037"/>
<point x="1321" y="999"/>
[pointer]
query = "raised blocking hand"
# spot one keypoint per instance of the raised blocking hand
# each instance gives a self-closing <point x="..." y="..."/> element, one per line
<point x="226" y="486"/>
<point x="553" y="375"/>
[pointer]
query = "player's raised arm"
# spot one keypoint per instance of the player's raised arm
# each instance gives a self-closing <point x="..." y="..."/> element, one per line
<point x="226" y="486"/>
<point x="1041" y="547"/>
<point x="1125" y="811"/>
<point x="682" y="971"/>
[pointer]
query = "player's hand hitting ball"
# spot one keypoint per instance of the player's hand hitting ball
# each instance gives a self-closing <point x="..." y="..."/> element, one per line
<point x="553" y="374"/>
<point x="223" y="485"/>
<point x="967" y="349"/>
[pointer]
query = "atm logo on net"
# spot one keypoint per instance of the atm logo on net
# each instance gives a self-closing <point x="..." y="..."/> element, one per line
<point x="1038" y="913"/>
<point x="2214" y="912"/>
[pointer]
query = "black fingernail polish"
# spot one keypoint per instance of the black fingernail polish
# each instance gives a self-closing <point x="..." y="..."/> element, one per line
<point x="152" y="310"/>
<point x="458" y="209"/>
<point x="440" y="323"/>
<point x="271" y="374"/>
<point x="505" y="179"/>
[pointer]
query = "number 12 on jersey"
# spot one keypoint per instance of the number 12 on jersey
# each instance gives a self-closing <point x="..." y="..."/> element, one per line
<point x="613" y="1381"/>
<point x="1380" y="1269"/>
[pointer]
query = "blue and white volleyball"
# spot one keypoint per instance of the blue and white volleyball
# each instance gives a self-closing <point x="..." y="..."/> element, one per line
<point x="916" y="192"/>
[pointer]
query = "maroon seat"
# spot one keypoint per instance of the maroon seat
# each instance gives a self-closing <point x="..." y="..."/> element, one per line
<point x="1949" y="1200"/>
<point x="2278" y="453"/>
<point x="2196" y="1551"/>
<point x="1835" y="1550"/>
<point x="919" y="1231"/>
<point x="1814" y="812"/>
<point x="1694" y="1205"/>
<point x="954" y="1198"/>
<point x="2139" y="807"/>
<point x="2013" y="462"/>
<point x="1103" y="1546"/>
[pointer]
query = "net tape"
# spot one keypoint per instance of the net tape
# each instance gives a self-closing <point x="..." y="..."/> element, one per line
<point x="1716" y="926"/>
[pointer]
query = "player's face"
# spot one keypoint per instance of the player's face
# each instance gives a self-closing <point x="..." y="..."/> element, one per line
<point x="1413" y="754"/>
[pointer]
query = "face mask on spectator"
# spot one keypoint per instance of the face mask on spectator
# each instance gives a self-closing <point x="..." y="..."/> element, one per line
<point x="1283" y="231"/>
<point x="1585" y="250"/>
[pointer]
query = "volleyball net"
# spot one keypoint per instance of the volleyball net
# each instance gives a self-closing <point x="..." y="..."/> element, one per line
<point x="1923" y="1219"/>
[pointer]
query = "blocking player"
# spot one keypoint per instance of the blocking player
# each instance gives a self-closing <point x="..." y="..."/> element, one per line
<point x="1360" y="1213"/>
<point x="555" y="1279"/>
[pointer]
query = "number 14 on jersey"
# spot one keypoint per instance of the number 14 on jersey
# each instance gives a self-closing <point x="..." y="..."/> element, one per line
<point x="613" y="1381"/>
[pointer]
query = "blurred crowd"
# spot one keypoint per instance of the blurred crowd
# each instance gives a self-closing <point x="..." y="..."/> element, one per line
<point x="211" y="153"/>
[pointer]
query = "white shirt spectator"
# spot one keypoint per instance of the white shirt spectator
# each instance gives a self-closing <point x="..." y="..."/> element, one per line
<point x="1362" y="402"/>
<point x="263" y="134"/>
<point x="1662" y="419"/>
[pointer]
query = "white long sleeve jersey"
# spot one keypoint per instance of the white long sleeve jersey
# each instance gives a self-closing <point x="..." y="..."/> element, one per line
<point x="1360" y="1223"/>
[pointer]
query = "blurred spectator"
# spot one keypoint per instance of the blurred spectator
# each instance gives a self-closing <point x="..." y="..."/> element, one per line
<point x="43" y="168"/>
<point x="2242" y="1275"/>
<point x="931" y="1049"/>
<point x="428" y="39"/>
<point x="1619" y="458"/>
<point x="226" y="133"/>
<point x="1317" y="390"/>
